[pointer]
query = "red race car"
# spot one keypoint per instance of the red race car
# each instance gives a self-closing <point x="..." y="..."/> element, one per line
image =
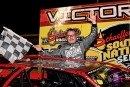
<point x="46" y="71"/>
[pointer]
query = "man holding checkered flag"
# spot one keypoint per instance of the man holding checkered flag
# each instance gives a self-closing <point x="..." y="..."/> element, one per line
<point x="12" y="46"/>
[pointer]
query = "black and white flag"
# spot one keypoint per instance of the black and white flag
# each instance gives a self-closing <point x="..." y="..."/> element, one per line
<point x="12" y="46"/>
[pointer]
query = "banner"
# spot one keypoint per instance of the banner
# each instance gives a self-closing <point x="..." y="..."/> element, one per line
<point x="113" y="42"/>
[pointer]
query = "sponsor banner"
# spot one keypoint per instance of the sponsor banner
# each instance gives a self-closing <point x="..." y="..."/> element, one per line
<point x="111" y="45"/>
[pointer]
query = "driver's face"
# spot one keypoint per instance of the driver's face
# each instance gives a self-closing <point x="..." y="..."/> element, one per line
<point x="71" y="37"/>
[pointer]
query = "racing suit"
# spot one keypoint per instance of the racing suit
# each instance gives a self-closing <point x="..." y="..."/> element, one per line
<point x="76" y="50"/>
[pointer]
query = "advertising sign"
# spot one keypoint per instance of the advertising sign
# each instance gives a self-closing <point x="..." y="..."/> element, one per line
<point x="113" y="21"/>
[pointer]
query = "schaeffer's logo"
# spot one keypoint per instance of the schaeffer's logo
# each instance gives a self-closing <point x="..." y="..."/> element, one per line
<point x="114" y="44"/>
<point x="58" y="37"/>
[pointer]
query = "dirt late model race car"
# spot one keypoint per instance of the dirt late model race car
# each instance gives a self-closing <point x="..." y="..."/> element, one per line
<point x="46" y="71"/>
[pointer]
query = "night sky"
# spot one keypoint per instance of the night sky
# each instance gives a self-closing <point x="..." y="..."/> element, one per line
<point x="24" y="17"/>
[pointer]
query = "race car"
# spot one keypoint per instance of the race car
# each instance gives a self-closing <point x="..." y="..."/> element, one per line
<point x="46" y="71"/>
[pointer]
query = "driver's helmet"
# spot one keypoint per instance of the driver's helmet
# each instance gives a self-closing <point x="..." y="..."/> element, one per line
<point x="115" y="76"/>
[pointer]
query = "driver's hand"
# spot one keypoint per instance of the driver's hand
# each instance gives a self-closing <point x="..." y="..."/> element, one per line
<point x="37" y="47"/>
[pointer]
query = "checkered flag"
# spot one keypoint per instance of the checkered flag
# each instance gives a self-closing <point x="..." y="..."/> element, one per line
<point x="12" y="46"/>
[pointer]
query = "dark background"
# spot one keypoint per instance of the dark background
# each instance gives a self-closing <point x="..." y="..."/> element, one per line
<point x="23" y="17"/>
